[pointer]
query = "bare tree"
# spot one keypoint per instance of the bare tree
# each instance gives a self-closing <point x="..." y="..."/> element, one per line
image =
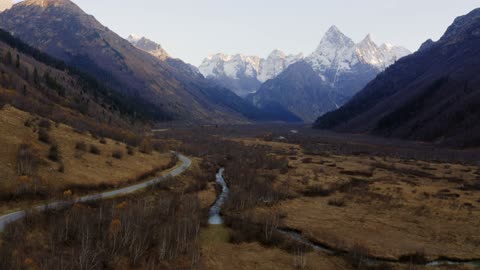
<point x="26" y="160"/>
<point x="300" y="258"/>
<point x="271" y="223"/>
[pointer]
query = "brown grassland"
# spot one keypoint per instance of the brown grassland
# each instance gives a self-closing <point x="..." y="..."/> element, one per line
<point x="363" y="205"/>
<point x="74" y="168"/>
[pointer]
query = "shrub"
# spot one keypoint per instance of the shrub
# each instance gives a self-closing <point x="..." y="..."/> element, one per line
<point x="358" y="256"/>
<point x="337" y="202"/>
<point x="103" y="140"/>
<point x="146" y="146"/>
<point x="26" y="160"/>
<point x="43" y="136"/>
<point x="28" y="123"/>
<point x="130" y="151"/>
<point x="95" y="150"/>
<point x="317" y="191"/>
<point x="61" y="168"/>
<point x="45" y="124"/>
<point x="54" y="153"/>
<point x="418" y="257"/>
<point x="307" y="160"/>
<point x="117" y="154"/>
<point x="81" y="146"/>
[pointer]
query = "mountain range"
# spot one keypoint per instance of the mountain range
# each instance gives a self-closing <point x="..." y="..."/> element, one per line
<point x="81" y="68"/>
<point x="171" y="87"/>
<point x="432" y="95"/>
<point x="245" y="74"/>
<point x="329" y="77"/>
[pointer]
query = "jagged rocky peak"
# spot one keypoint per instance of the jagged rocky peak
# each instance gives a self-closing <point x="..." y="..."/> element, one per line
<point x="244" y="74"/>
<point x="149" y="46"/>
<point x="335" y="50"/>
<point x="276" y="62"/>
<point x="427" y="45"/>
<point x="238" y="65"/>
<point x="367" y="42"/>
<point x="49" y="3"/>
<point x="369" y="53"/>
<point x="277" y="53"/>
<point x="464" y="27"/>
<point x="339" y="52"/>
<point x="5" y="4"/>
<point x="133" y="38"/>
<point x="334" y="38"/>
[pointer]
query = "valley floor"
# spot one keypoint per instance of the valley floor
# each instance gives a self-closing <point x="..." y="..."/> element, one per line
<point x="404" y="205"/>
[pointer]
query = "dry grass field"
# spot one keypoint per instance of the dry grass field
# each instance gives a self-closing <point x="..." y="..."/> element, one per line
<point x="79" y="163"/>
<point x="358" y="204"/>
<point x="391" y="207"/>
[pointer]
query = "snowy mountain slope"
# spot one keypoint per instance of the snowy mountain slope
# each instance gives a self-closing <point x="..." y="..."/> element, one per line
<point x="329" y="77"/>
<point x="338" y="54"/>
<point x="244" y="74"/>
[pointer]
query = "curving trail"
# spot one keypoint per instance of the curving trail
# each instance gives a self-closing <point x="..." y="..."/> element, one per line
<point x="12" y="217"/>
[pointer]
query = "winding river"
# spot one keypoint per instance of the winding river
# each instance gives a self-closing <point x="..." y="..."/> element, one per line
<point x="215" y="217"/>
<point x="297" y="236"/>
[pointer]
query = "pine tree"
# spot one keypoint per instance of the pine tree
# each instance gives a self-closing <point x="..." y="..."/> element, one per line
<point x="35" y="76"/>
<point x="8" y="58"/>
<point x="27" y="74"/>
<point x="17" y="64"/>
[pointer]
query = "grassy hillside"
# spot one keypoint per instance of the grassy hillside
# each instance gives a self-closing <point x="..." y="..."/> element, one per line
<point x="40" y="160"/>
<point x="37" y="83"/>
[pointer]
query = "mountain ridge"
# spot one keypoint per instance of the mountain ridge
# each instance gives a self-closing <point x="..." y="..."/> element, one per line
<point x="244" y="74"/>
<point x="149" y="46"/>
<point x="431" y="95"/>
<point x="61" y="29"/>
<point x="341" y="68"/>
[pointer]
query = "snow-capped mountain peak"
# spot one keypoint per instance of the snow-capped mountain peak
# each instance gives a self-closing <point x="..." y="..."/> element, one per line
<point x="277" y="54"/>
<point x="369" y="53"/>
<point x="338" y="52"/>
<point x="336" y="55"/>
<point x="232" y="66"/>
<point x="368" y="41"/>
<point x="275" y="63"/>
<point x="392" y="53"/>
<point x="335" y="50"/>
<point x="247" y="68"/>
<point x="334" y="39"/>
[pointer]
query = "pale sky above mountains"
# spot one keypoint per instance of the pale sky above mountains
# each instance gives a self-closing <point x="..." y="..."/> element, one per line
<point x="193" y="29"/>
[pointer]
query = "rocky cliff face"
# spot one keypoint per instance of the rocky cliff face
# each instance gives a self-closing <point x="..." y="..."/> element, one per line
<point x="149" y="46"/>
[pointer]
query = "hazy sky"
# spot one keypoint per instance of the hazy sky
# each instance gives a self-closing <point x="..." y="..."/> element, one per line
<point x="193" y="29"/>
